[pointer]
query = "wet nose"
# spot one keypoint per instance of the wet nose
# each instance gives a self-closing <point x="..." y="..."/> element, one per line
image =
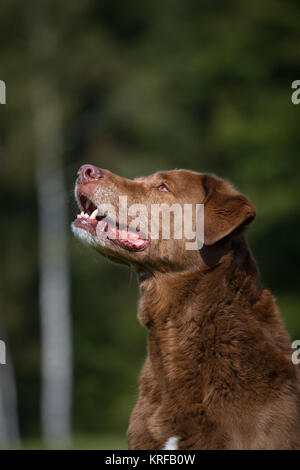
<point x="87" y="173"/>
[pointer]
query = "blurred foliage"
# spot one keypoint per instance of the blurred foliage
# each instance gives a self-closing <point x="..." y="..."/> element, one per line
<point x="144" y="86"/>
<point x="97" y="442"/>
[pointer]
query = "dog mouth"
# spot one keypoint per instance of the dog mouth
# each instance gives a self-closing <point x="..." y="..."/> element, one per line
<point x="91" y="221"/>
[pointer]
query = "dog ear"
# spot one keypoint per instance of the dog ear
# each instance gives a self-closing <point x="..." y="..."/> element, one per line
<point x="224" y="210"/>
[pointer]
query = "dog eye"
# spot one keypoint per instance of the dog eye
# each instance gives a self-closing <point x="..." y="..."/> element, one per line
<point x="163" y="187"/>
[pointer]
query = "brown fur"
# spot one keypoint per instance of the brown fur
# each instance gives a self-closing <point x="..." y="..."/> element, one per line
<point x="218" y="374"/>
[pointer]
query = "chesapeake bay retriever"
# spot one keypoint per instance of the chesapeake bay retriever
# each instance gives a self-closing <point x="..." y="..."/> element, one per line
<point x="219" y="373"/>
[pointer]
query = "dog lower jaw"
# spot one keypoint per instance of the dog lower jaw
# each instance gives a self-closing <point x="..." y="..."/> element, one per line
<point x="83" y="235"/>
<point x="111" y="252"/>
<point x="102" y="230"/>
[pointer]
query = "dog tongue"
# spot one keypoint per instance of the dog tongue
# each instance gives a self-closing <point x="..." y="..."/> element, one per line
<point x="126" y="239"/>
<point x="125" y="235"/>
<point x="129" y="240"/>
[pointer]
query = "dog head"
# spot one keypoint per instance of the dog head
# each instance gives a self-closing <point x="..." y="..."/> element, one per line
<point x="149" y="222"/>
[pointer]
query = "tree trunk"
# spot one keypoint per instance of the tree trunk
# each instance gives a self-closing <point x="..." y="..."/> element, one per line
<point x="9" y="423"/>
<point x="54" y="266"/>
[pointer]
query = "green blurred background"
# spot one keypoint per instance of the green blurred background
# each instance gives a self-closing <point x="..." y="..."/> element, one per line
<point x="141" y="86"/>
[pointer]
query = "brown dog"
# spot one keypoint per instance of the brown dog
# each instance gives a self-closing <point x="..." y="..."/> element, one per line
<point x="219" y="373"/>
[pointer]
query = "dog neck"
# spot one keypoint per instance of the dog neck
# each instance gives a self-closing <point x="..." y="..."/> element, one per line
<point x="179" y="310"/>
<point x="223" y="270"/>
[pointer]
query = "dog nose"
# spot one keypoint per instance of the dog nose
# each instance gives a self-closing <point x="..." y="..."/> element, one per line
<point x="87" y="173"/>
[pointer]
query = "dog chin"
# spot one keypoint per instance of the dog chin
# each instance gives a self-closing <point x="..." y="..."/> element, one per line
<point x="83" y="235"/>
<point x="87" y="239"/>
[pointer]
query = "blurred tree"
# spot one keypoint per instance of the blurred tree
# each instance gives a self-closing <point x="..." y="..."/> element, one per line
<point x="9" y="420"/>
<point x="54" y="269"/>
<point x="9" y="423"/>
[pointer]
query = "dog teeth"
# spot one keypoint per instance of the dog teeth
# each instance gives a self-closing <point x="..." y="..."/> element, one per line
<point x="84" y="215"/>
<point x="94" y="214"/>
<point x="87" y="204"/>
